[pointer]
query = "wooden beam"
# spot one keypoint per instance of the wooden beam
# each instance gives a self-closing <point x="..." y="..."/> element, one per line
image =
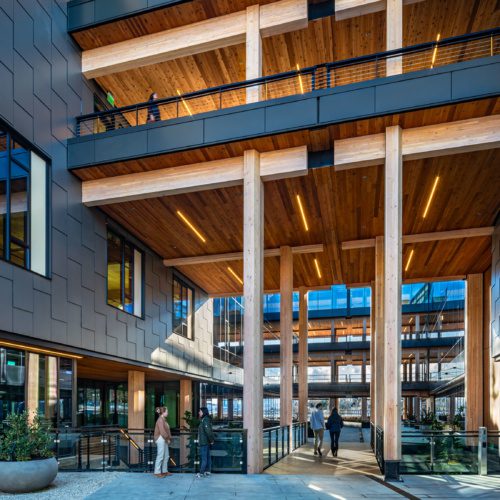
<point x="211" y="34"/>
<point x="253" y="284"/>
<point x="442" y="139"/>
<point x="345" y="9"/>
<point x="215" y="174"/>
<point x="227" y="257"/>
<point x="474" y="232"/>
<point x="393" y="215"/>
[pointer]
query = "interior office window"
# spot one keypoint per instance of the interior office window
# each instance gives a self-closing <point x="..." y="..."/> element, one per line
<point x="23" y="205"/>
<point x="124" y="275"/>
<point x="183" y="309"/>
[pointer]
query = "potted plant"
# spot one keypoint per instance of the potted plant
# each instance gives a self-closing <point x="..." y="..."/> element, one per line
<point x="26" y="458"/>
<point x="427" y="419"/>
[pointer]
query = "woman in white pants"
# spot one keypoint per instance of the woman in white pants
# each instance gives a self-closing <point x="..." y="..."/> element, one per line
<point x="162" y="439"/>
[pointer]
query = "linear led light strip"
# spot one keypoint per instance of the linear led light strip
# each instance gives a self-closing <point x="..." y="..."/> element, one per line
<point x="300" y="80"/>
<point x="38" y="350"/>
<point x="302" y="213"/>
<point x="409" y="260"/>
<point x="434" y="53"/>
<point x="184" y="102"/>
<point x="433" y="190"/>
<point x="230" y="269"/>
<point x="190" y="225"/>
<point x="316" y="264"/>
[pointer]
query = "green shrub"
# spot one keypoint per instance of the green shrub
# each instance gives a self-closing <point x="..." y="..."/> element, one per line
<point x="23" y="440"/>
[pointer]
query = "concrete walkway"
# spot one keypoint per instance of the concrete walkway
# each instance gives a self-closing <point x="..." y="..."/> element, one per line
<point x="252" y="486"/>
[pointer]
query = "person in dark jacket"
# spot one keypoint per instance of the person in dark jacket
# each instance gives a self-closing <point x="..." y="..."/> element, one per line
<point x="334" y="424"/>
<point x="153" y="109"/>
<point x="206" y="438"/>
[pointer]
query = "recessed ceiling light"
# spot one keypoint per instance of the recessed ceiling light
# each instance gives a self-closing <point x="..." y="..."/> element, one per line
<point x="409" y="260"/>
<point x="300" y="80"/>
<point x="317" y="268"/>
<point x="184" y="102"/>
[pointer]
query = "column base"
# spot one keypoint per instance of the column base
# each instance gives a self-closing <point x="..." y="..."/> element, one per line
<point x="391" y="470"/>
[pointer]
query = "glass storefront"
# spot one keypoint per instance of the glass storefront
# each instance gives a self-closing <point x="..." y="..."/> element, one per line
<point x="162" y="394"/>
<point x="102" y="403"/>
<point x="51" y="394"/>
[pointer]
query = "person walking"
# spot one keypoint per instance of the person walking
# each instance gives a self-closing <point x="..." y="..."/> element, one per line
<point x="162" y="437"/>
<point x="318" y="427"/>
<point x="153" y="109"/>
<point x="334" y="424"/>
<point x="206" y="439"/>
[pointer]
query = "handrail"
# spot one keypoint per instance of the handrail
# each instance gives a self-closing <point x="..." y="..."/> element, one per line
<point x="293" y="73"/>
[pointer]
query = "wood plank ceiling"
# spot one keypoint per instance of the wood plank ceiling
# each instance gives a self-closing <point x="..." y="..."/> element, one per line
<point x="325" y="40"/>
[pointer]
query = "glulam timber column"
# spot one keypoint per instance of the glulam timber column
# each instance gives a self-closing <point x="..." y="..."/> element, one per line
<point x="33" y="385"/>
<point x="392" y="300"/>
<point x="185" y="404"/>
<point x="303" y="355"/>
<point x="394" y="35"/>
<point x="373" y="361"/>
<point x="253" y="278"/>
<point x="253" y="52"/>
<point x="474" y="353"/>
<point x="378" y="375"/>
<point x="286" y="336"/>
<point x="136" y="407"/>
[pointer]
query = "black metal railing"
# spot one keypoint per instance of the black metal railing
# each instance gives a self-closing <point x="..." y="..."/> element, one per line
<point x="324" y="76"/>
<point x="135" y="450"/>
<point x="379" y="448"/>
<point x="276" y="442"/>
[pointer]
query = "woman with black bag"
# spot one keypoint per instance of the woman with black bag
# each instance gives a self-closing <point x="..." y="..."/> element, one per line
<point x="334" y="424"/>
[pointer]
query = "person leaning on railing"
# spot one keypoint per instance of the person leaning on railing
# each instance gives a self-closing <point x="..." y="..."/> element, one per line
<point x="206" y="438"/>
<point x="162" y="439"/>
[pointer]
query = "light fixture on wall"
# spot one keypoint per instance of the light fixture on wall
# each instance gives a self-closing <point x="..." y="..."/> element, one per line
<point x="191" y="226"/>
<point x="431" y="195"/>
<point x="39" y="350"/>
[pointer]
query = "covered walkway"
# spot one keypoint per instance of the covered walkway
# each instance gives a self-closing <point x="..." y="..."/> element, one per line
<point x="354" y="457"/>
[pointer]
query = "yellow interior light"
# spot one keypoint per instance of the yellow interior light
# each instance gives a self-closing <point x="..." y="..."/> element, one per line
<point x="230" y="269"/>
<point x="184" y="102"/>
<point x="317" y="268"/>
<point x="433" y="190"/>
<point x="409" y="260"/>
<point x="302" y="213"/>
<point x="300" y="80"/>
<point x="190" y="225"/>
<point x="434" y="53"/>
<point x="39" y="350"/>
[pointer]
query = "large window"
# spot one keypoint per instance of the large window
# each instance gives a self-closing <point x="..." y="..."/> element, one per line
<point x="23" y="205"/>
<point x="183" y="309"/>
<point x="124" y="275"/>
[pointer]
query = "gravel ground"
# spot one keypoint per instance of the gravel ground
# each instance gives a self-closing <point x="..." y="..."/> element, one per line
<point x="70" y="485"/>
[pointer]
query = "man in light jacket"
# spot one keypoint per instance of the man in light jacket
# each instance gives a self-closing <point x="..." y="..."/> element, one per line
<point x="318" y="427"/>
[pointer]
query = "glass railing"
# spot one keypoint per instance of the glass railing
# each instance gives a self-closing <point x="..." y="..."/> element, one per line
<point x="135" y="450"/>
<point x="276" y="442"/>
<point x="493" y="452"/>
<point x="439" y="452"/>
<point x="452" y="364"/>
<point x="324" y="76"/>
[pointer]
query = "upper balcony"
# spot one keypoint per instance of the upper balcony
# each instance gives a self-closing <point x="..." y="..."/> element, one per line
<point x="453" y="70"/>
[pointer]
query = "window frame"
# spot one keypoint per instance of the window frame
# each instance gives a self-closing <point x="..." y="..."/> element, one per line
<point x="184" y="285"/>
<point x="124" y="242"/>
<point x="11" y="136"/>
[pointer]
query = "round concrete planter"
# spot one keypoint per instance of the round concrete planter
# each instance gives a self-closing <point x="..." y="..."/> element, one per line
<point x="23" y="477"/>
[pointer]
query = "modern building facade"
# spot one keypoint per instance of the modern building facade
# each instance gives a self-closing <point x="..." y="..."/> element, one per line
<point x="343" y="151"/>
